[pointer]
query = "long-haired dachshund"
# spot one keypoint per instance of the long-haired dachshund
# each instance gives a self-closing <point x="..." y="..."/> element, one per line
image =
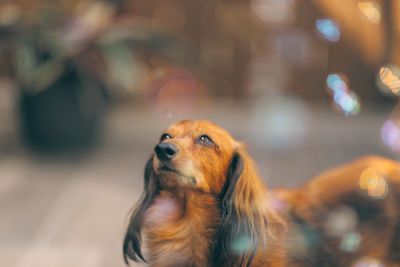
<point x="204" y="204"/>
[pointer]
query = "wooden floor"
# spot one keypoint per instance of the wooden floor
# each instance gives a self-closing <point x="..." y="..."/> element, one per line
<point x="72" y="211"/>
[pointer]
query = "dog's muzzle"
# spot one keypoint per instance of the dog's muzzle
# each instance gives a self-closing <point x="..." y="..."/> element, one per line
<point x="165" y="151"/>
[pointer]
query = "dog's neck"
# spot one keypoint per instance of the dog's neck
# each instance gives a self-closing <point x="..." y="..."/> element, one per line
<point x="180" y="226"/>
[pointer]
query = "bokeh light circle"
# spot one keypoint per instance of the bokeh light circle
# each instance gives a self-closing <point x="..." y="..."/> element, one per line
<point x="276" y="12"/>
<point x="241" y="244"/>
<point x="280" y="121"/>
<point x="340" y="221"/>
<point x="371" y="10"/>
<point x="350" y="242"/>
<point x="373" y="183"/>
<point x="388" y="80"/>
<point x="328" y="29"/>
<point x="344" y="99"/>
<point x="368" y="262"/>
<point x="390" y="134"/>
<point x="173" y="93"/>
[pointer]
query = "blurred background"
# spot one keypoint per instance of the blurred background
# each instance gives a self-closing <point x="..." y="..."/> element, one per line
<point x="86" y="87"/>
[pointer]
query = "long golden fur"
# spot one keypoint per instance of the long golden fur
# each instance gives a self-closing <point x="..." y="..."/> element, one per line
<point x="205" y="205"/>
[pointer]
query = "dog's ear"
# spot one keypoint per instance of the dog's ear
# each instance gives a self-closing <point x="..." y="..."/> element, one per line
<point x="243" y="219"/>
<point x="132" y="241"/>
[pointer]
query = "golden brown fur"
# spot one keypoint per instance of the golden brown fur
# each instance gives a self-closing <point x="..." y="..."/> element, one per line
<point x="210" y="208"/>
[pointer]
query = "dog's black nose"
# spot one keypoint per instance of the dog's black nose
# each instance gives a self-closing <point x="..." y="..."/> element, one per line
<point x="165" y="151"/>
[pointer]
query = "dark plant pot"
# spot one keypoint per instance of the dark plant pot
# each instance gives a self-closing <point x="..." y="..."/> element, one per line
<point x="67" y="115"/>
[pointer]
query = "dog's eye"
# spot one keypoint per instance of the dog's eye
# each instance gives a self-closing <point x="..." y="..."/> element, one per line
<point x="205" y="140"/>
<point x="165" y="136"/>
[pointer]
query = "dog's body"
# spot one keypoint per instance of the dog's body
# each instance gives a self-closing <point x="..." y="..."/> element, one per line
<point x="205" y="205"/>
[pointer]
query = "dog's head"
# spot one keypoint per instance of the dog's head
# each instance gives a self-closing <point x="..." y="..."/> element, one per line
<point x="200" y="156"/>
<point x="193" y="155"/>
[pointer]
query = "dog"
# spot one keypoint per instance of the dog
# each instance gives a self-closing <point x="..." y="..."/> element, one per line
<point x="204" y="204"/>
